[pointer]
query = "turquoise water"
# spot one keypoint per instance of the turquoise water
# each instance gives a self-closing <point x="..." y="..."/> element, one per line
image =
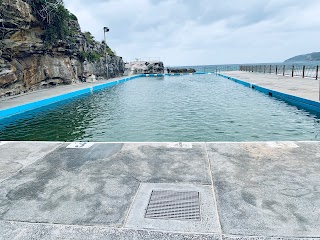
<point x="183" y="108"/>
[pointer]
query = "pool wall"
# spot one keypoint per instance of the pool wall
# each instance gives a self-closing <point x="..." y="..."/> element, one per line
<point x="303" y="103"/>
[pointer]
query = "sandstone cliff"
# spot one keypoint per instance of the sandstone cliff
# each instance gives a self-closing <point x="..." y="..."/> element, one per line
<point x="27" y="62"/>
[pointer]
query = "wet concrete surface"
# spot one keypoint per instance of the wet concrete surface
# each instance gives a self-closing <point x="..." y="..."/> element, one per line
<point x="14" y="156"/>
<point x="265" y="190"/>
<point x="259" y="190"/>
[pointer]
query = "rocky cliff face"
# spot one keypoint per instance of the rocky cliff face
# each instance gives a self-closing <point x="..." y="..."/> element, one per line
<point x="145" y="67"/>
<point x="28" y="63"/>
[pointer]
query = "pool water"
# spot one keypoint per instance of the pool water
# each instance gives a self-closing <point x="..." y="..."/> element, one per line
<point x="183" y="108"/>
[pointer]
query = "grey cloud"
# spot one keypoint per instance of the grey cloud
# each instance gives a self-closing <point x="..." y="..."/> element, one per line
<point x="173" y="28"/>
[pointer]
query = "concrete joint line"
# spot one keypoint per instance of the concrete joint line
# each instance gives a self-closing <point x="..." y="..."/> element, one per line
<point x="129" y="210"/>
<point x="27" y="165"/>
<point x="214" y="194"/>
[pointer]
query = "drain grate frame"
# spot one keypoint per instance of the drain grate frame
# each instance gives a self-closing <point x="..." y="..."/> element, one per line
<point x="174" y="205"/>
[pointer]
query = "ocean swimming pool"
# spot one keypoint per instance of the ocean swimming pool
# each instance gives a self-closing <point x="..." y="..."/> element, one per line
<point x="169" y="108"/>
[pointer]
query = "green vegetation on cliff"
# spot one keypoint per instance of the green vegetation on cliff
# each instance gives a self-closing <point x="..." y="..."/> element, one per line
<point x="55" y="18"/>
<point x="59" y="25"/>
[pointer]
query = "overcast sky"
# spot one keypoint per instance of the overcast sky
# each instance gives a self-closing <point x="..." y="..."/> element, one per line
<point x="199" y="32"/>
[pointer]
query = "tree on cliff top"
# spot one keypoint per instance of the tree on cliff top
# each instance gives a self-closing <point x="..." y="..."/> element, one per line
<point x="45" y="10"/>
<point x="54" y="17"/>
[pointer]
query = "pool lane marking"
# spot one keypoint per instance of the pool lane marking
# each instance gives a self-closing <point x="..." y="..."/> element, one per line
<point x="80" y="145"/>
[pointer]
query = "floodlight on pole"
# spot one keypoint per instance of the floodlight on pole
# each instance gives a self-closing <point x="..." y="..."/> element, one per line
<point x="105" y="30"/>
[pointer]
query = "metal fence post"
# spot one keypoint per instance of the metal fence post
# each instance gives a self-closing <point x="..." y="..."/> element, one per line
<point x="303" y="69"/>
<point x="284" y="69"/>
<point x="276" y="70"/>
<point x="317" y="72"/>
<point x="264" y="69"/>
<point x="292" y="74"/>
<point x="270" y="69"/>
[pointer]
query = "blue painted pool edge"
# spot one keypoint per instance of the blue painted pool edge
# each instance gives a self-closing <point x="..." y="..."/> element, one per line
<point x="291" y="99"/>
<point x="48" y="101"/>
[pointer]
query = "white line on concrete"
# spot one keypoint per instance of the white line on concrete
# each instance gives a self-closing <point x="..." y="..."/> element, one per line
<point x="282" y="145"/>
<point x="290" y="144"/>
<point x="80" y="145"/>
<point x="179" y="145"/>
<point x="2" y="143"/>
<point x="272" y="144"/>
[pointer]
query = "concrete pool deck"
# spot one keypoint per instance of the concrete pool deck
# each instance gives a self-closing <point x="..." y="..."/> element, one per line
<point x="37" y="95"/>
<point x="257" y="190"/>
<point x="306" y="88"/>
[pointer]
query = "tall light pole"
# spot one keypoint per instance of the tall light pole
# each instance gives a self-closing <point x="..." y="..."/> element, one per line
<point x="105" y="30"/>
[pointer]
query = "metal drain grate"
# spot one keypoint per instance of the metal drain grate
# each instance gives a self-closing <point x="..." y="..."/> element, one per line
<point x="174" y="205"/>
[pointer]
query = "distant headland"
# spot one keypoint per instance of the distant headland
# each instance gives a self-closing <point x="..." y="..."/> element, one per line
<point x="309" y="57"/>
